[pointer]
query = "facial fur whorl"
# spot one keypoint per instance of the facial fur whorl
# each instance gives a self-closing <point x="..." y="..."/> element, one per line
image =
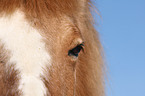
<point x="42" y="34"/>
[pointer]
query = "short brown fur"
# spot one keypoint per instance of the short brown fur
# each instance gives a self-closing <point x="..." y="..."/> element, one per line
<point x="9" y="78"/>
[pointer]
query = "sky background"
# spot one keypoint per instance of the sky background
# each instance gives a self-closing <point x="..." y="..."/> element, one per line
<point x="122" y="33"/>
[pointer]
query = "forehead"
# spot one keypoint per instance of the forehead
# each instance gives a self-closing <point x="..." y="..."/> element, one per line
<point x="41" y="7"/>
<point x="43" y="12"/>
<point x="53" y="15"/>
<point x="60" y="31"/>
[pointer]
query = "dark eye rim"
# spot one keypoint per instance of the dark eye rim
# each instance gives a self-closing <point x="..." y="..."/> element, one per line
<point x="76" y="50"/>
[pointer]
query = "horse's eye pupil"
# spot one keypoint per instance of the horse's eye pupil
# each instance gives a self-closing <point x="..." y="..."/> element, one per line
<point x="75" y="51"/>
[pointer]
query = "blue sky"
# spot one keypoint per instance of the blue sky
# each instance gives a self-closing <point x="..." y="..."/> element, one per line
<point x="122" y="32"/>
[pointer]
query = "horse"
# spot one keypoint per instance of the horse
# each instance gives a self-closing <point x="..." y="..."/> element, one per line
<point x="49" y="48"/>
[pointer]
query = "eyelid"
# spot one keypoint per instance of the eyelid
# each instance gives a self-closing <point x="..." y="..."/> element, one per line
<point x="82" y="44"/>
<point x="76" y="42"/>
<point x="79" y="41"/>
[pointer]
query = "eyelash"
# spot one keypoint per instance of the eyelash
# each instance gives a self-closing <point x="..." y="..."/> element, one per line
<point x="75" y="51"/>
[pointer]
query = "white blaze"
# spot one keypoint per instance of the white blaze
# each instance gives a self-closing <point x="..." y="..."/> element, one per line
<point x="28" y="52"/>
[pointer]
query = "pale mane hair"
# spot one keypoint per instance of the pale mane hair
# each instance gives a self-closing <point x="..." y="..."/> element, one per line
<point x="90" y="75"/>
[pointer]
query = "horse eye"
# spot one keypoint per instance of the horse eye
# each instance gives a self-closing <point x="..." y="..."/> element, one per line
<point x="75" y="51"/>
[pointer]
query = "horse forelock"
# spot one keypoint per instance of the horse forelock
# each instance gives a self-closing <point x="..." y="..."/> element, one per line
<point x="41" y="19"/>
